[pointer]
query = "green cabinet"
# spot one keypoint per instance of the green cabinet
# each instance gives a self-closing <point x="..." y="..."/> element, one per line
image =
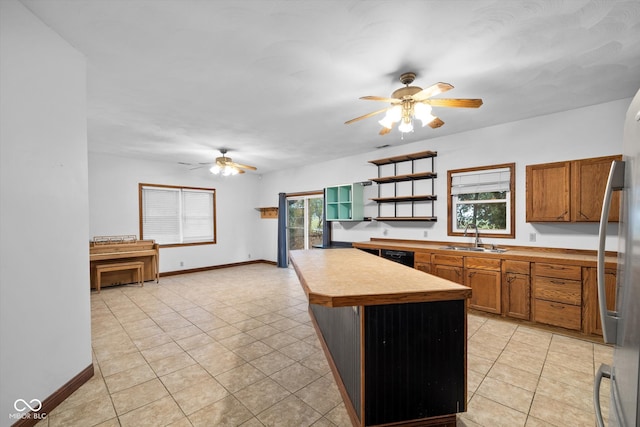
<point x="344" y="202"/>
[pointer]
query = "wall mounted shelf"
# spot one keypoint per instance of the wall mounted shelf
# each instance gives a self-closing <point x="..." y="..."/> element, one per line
<point x="405" y="195"/>
<point x="344" y="202"/>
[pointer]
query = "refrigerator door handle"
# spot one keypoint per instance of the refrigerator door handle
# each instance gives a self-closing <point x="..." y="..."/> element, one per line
<point x="609" y="318"/>
<point x="603" y="372"/>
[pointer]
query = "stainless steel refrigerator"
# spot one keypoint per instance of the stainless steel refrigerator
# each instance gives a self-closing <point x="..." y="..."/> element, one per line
<point x="622" y="326"/>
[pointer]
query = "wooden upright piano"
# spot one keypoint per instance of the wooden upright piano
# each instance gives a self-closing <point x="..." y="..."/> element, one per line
<point x="116" y="249"/>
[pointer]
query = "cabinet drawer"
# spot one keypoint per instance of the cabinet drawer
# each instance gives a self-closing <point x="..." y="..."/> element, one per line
<point x="557" y="314"/>
<point x="566" y="291"/>
<point x="518" y="267"/>
<point x="571" y="272"/>
<point x="422" y="257"/>
<point x="482" y="263"/>
<point x="454" y="260"/>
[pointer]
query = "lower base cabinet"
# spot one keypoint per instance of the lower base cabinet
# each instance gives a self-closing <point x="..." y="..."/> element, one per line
<point x="448" y="267"/>
<point x="484" y="277"/>
<point x="557" y="295"/>
<point x="516" y="289"/>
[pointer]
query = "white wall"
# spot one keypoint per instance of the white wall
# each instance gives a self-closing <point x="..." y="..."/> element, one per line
<point x="45" y="322"/>
<point x="113" y="203"/>
<point x="586" y="132"/>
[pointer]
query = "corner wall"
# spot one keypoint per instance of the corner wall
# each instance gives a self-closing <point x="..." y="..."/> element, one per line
<point x="45" y="321"/>
<point x="581" y="133"/>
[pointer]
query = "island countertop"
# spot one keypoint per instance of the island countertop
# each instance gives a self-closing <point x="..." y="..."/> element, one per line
<point x="351" y="277"/>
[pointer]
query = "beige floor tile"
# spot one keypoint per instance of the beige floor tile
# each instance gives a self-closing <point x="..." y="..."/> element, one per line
<point x="195" y="397"/>
<point x="87" y="413"/>
<point x="474" y="380"/>
<point x="138" y="396"/>
<point x="152" y="341"/>
<point x="567" y="375"/>
<point x="581" y="398"/>
<point x="317" y="362"/>
<point x="163" y="412"/>
<point x="93" y="389"/>
<point x="272" y="362"/>
<point x="552" y="411"/>
<point x="298" y="350"/>
<point x="290" y="412"/>
<point x="478" y="363"/>
<point x="225" y="412"/>
<point x="506" y="394"/>
<point x="171" y="363"/>
<point x="129" y="378"/>
<point x="322" y="395"/>
<point x="194" y="341"/>
<point x="185" y="377"/>
<point x="253" y="351"/>
<point x="514" y="376"/>
<point x="294" y="377"/>
<point x="162" y="351"/>
<point x="240" y="377"/>
<point x="237" y="341"/>
<point x="521" y="361"/>
<point x="222" y="362"/>
<point x="261" y="395"/>
<point x="119" y="364"/>
<point x="486" y="412"/>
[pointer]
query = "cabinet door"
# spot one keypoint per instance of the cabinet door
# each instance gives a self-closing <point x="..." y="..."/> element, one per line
<point x="423" y="266"/>
<point x="517" y="296"/>
<point x="548" y="187"/>
<point x="592" y="323"/>
<point x="485" y="289"/>
<point x="588" y="182"/>
<point x="448" y="272"/>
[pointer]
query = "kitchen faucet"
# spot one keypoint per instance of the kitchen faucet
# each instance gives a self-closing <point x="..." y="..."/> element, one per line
<point x="477" y="239"/>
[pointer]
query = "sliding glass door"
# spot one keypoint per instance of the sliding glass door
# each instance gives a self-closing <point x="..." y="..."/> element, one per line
<point x="305" y="215"/>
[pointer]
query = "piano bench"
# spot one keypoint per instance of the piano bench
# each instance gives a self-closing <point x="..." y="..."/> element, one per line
<point x="138" y="266"/>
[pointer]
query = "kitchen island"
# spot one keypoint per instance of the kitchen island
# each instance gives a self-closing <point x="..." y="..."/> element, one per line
<point x="395" y="338"/>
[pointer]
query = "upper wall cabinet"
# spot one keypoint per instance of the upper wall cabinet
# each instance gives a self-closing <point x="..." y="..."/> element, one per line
<point x="570" y="191"/>
<point x="344" y="202"/>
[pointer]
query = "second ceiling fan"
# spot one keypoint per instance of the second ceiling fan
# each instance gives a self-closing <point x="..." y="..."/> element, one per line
<point x="411" y="102"/>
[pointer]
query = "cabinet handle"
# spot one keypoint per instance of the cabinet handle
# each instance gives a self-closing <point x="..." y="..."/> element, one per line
<point x="471" y="274"/>
<point x="609" y="318"/>
<point x="558" y="282"/>
<point x="583" y="215"/>
<point x="561" y="307"/>
<point x="603" y="372"/>
<point x="562" y="215"/>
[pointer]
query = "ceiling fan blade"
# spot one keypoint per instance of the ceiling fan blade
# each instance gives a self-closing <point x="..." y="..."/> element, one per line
<point x="384" y="131"/>
<point x="435" y="123"/>
<point x="240" y="165"/>
<point x="464" y="103"/>
<point x="432" y="91"/>
<point x="380" y="98"/>
<point x="367" y="115"/>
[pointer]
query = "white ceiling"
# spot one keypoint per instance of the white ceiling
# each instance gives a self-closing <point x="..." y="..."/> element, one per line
<point x="274" y="81"/>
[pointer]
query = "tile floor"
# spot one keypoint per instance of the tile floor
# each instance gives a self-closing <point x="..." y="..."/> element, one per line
<point x="235" y="347"/>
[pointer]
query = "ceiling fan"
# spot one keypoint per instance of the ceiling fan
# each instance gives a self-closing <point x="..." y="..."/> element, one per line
<point x="411" y="102"/>
<point x="225" y="165"/>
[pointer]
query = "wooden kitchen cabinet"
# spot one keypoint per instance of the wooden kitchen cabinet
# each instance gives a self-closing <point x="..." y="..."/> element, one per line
<point x="570" y="191"/>
<point x="548" y="192"/>
<point x="591" y="321"/>
<point x="516" y="289"/>
<point x="422" y="261"/>
<point x="449" y="267"/>
<point x="588" y="182"/>
<point x="557" y="295"/>
<point x="484" y="277"/>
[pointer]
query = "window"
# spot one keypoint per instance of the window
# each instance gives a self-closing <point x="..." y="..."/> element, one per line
<point x="305" y="217"/>
<point x="174" y="216"/>
<point x="482" y="197"/>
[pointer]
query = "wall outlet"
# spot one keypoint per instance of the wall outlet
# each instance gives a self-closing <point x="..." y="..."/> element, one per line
<point x="425" y="233"/>
<point x="181" y="263"/>
<point x="249" y="256"/>
<point x="532" y="237"/>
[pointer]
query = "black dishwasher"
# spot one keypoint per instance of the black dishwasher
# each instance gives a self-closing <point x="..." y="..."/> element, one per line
<point x="402" y="257"/>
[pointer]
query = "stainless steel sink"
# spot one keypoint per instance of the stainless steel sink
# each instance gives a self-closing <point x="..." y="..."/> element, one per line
<point x="474" y="249"/>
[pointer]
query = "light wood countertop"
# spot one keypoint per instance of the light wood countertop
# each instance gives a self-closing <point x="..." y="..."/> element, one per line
<point x="559" y="256"/>
<point x="351" y="277"/>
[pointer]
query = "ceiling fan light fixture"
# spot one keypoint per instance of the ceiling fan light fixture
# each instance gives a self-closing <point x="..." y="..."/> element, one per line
<point x="393" y="115"/>
<point x="422" y="112"/>
<point x="406" y="125"/>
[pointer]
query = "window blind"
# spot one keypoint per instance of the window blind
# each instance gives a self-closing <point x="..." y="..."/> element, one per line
<point x="177" y="215"/>
<point x="484" y="181"/>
